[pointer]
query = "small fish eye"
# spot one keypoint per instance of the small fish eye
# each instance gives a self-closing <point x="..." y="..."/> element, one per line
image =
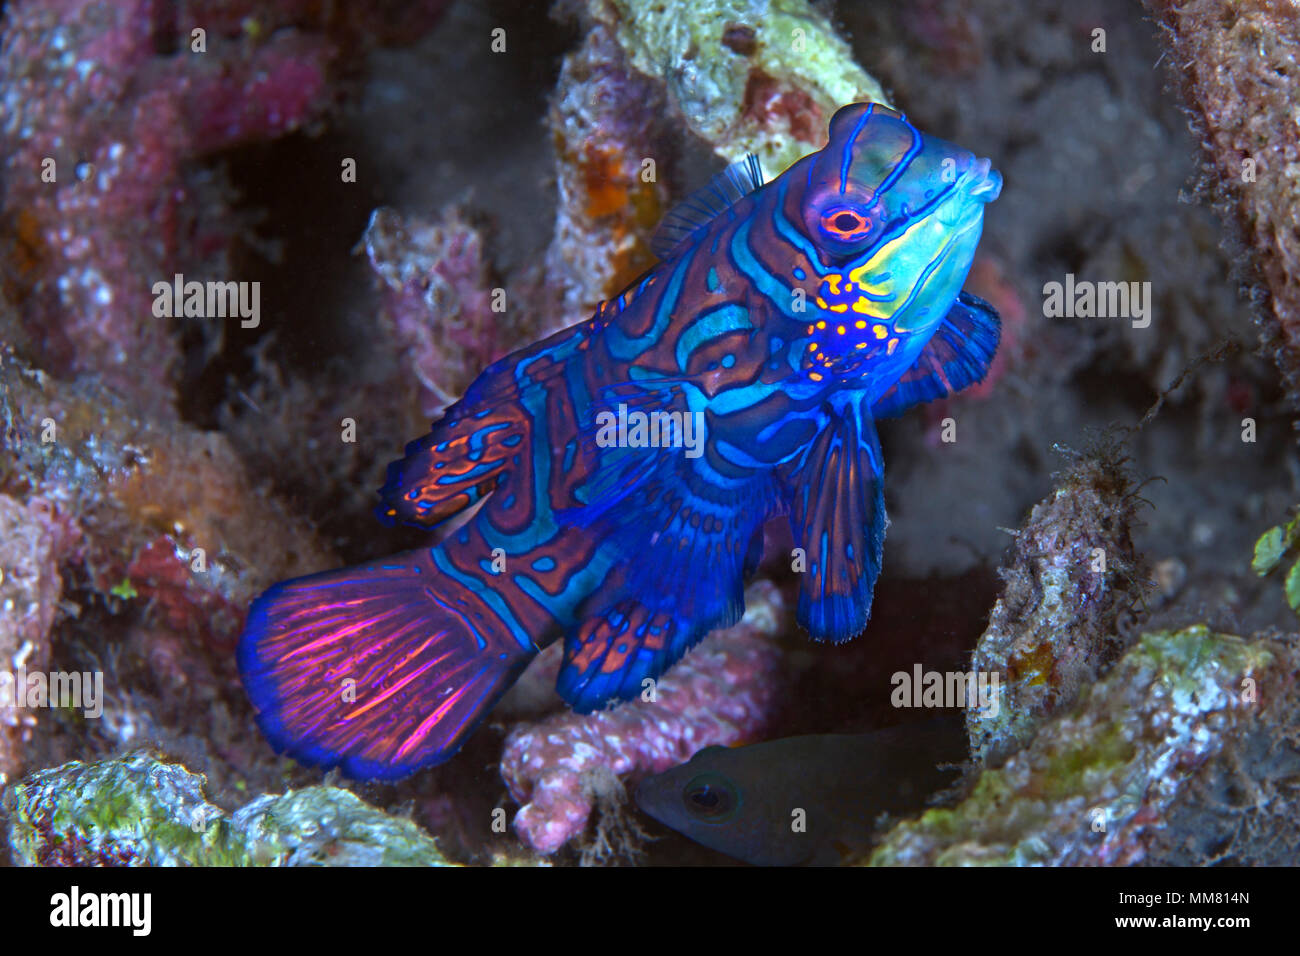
<point x="710" y="797"/>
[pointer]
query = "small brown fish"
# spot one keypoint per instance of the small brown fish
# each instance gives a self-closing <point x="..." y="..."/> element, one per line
<point x="811" y="800"/>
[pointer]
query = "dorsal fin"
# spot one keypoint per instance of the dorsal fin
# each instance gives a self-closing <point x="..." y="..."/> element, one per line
<point x="685" y="220"/>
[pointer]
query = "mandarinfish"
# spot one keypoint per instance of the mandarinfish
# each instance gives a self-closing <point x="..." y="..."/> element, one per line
<point x="744" y="371"/>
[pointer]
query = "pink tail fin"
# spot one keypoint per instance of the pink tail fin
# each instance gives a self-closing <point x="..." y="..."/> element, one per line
<point x="379" y="669"/>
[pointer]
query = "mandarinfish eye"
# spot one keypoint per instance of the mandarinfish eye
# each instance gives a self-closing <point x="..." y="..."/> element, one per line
<point x="845" y="228"/>
<point x="845" y="223"/>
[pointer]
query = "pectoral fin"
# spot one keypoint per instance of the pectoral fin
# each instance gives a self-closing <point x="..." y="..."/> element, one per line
<point x="959" y="355"/>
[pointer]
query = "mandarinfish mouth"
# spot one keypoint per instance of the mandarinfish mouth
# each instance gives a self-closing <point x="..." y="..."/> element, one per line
<point x="986" y="182"/>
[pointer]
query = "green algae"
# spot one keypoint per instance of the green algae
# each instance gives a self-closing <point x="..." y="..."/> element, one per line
<point x="1271" y="549"/>
<point x="1127" y="747"/>
<point x="329" y="826"/>
<point x="770" y="95"/>
<point x="142" y="809"/>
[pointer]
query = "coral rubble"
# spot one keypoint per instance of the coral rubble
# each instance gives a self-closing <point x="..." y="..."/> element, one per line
<point x="1184" y="753"/>
<point x="742" y="77"/>
<point x="1053" y="629"/>
<point x="1235" y="60"/>
<point x="436" y="298"/>
<point x="561" y="767"/>
<point x="144" y="810"/>
<point x="33" y="544"/>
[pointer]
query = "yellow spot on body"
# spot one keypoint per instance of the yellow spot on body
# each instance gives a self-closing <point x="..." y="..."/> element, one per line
<point x="810" y="329"/>
<point x="833" y="280"/>
<point x="839" y="307"/>
<point x="821" y="324"/>
<point x="893" y="344"/>
<point x="880" y="331"/>
<point x="840" y="329"/>
<point x="821" y="303"/>
<point x="860" y="324"/>
<point x="862" y="304"/>
<point x="815" y="376"/>
<point x="860" y="345"/>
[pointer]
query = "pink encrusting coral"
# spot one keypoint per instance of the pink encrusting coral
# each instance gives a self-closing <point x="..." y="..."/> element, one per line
<point x="721" y="693"/>
<point x="436" y="296"/>
<point x="98" y="124"/>
<point x="104" y="105"/>
<point x="34" y="539"/>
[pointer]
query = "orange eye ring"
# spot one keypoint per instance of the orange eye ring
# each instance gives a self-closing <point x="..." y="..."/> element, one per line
<point x="845" y="224"/>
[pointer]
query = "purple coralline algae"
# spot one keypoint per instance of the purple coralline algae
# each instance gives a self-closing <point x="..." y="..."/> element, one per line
<point x="34" y="541"/>
<point x="104" y="105"/>
<point x="723" y="692"/>
<point x="436" y="297"/>
<point x="98" y="124"/>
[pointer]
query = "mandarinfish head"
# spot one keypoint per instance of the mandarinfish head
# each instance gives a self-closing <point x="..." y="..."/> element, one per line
<point x="894" y="216"/>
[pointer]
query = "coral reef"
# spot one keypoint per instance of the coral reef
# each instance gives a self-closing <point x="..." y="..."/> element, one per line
<point x="436" y="296"/>
<point x="1072" y="573"/>
<point x="104" y="104"/>
<point x="1185" y="752"/>
<point x="744" y="78"/>
<point x="33" y="543"/>
<point x="147" y="496"/>
<point x="140" y="512"/>
<point x="1235" y="60"/>
<point x="173" y="539"/>
<point x="760" y="78"/>
<point x="144" y="810"/>
<point x="607" y="121"/>
<point x="561" y="767"/>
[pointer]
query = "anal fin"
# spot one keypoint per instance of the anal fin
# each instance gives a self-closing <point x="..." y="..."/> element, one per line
<point x="837" y="514"/>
